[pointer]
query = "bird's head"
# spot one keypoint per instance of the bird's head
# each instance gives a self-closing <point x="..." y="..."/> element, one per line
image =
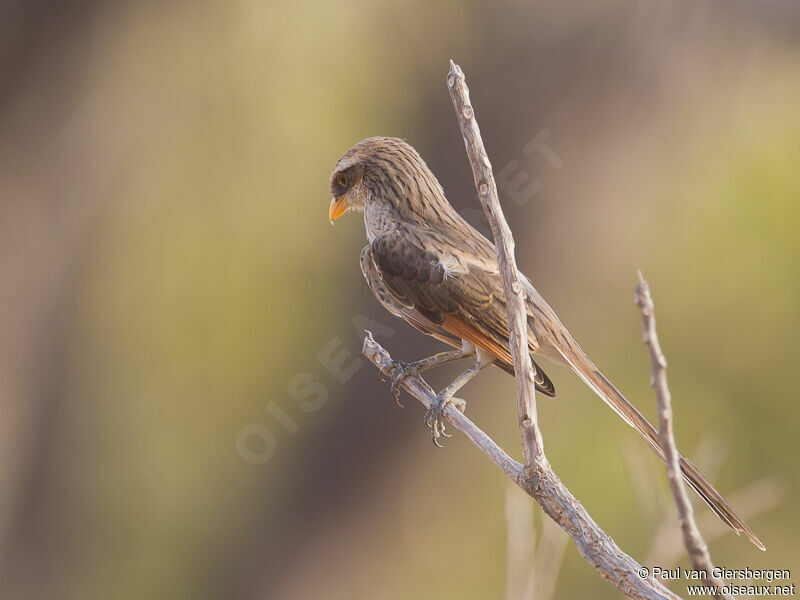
<point x="382" y="169"/>
<point x="347" y="183"/>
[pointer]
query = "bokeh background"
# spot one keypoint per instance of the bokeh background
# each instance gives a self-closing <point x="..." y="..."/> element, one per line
<point x="184" y="409"/>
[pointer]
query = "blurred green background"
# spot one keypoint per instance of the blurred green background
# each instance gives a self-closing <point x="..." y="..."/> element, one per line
<point x="184" y="410"/>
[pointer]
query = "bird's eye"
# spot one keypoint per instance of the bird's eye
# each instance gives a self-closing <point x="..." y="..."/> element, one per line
<point x="341" y="179"/>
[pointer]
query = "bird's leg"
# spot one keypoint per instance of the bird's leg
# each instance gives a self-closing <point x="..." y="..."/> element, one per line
<point x="434" y="416"/>
<point x="401" y="370"/>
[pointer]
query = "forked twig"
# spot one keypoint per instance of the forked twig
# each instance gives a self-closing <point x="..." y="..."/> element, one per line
<point x="594" y="544"/>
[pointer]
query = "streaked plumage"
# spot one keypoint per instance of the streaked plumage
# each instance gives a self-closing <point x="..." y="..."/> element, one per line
<point x="427" y="265"/>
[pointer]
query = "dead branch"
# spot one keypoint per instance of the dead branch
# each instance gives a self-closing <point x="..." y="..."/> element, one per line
<point x="594" y="544"/>
<point x="540" y="480"/>
<point x="532" y="448"/>
<point x="695" y="545"/>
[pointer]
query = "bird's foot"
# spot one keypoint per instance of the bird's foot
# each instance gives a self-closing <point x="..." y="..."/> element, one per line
<point x="434" y="418"/>
<point x="401" y="370"/>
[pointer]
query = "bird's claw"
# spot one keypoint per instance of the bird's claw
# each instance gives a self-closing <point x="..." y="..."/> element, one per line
<point x="434" y="418"/>
<point x="401" y="370"/>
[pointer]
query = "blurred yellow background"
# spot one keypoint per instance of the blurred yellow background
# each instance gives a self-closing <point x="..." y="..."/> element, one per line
<point x="185" y="413"/>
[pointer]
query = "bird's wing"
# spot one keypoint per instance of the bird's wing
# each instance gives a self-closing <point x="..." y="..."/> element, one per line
<point x="414" y="318"/>
<point x="429" y="282"/>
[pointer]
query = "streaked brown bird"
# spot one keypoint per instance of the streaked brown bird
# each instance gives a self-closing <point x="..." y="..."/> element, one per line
<point x="427" y="265"/>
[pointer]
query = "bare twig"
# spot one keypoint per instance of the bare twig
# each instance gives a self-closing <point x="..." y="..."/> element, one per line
<point x="375" y="353"/>
<point x="595" y="545"/>
<point x="755" y="499"/>
<point x="695" y="545"/>
<point x="532" y="447"/>
<point x="666" y="547"/>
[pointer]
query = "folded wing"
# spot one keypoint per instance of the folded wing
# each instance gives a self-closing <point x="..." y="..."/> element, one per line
<point x="443" y="295"/>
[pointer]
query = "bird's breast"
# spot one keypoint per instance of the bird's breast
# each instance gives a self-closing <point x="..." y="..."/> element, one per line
<point x="378" y="219"/>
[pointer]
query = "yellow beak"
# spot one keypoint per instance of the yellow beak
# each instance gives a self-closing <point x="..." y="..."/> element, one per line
<point x="337" y="209"/>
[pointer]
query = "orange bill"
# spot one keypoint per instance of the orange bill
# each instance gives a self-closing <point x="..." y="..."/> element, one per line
<point x="337" y="209"/>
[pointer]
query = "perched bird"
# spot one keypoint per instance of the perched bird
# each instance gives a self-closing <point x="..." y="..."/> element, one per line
<point x="427" y="265"/>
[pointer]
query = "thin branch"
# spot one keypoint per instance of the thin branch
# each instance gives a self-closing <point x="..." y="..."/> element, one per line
<point x="532" y="447"/>
<point x="666" y="546"/>
<point x="540" y="480"/>
<point x="757" y="498"/>
<point x="375" y="353"/>
<point x="595" y="545"/>
<point x="695" y="545"/>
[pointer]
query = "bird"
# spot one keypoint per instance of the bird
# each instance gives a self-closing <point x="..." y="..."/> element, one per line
<point x="427" y="265"/>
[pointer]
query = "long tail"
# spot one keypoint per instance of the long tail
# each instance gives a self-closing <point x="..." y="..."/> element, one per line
<point x="589" y="373"/>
